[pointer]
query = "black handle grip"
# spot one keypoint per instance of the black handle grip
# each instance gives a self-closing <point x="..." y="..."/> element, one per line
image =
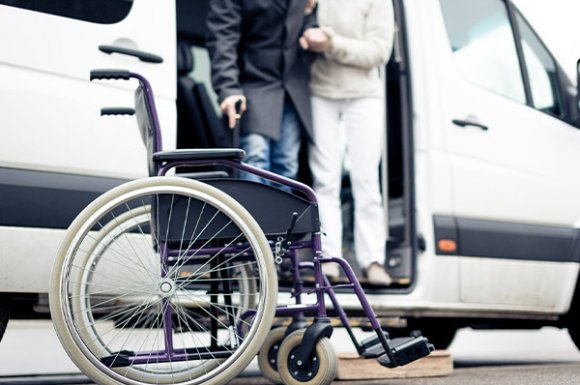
<point x="466" y="123"/>
<point x="238" y="107"/>
<point x="143" y="56"/>
<point x="117" y="111"/>
<point x="110" y="74"/>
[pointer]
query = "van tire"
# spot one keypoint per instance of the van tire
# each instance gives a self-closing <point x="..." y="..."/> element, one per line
<point x="4" y="315"/>
<point x="572" y="319"/>
<point x="574" y="331"/>
<point x="440" y="335"/>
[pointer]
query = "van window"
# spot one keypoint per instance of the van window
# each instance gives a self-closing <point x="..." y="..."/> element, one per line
<point x="483" y="45"/>
<point x="96" y="11"/>
<point x="541" y="68"/>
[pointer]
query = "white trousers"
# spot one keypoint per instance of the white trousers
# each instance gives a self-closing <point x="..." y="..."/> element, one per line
<point x="363" y="122"/>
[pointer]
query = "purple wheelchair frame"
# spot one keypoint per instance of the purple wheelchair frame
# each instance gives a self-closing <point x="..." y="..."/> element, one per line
<point x="390" y="353"/>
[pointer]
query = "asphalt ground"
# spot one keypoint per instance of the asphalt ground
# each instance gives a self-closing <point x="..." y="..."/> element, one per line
<point x="30" y="354"/>
<point x="550" y="374"/>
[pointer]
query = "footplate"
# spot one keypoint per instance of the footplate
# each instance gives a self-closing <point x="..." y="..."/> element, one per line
<point x="407" y="351"/>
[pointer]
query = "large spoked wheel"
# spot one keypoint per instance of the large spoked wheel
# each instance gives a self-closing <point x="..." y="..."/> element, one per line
<point x="163" y="281"/>
<point x="268" y="356"/>
<point x="319" y="369"/>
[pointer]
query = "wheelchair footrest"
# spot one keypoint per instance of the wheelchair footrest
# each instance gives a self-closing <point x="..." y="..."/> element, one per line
<point x="372" y="340"/>
<point x="408" y="350"/>
<point x="378" y="349"/>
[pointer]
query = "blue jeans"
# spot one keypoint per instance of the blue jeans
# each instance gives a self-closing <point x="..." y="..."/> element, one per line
<point x="279" y="156"/>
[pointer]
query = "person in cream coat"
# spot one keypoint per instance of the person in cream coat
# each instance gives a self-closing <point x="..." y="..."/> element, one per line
<point x="354" y="41"/>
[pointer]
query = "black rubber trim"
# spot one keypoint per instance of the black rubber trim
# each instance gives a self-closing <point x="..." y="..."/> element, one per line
<point x="47" y="199"/>
<point x="506" y="240"/>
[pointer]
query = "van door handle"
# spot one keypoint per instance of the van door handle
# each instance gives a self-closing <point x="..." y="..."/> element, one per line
<point x="143" y="56"/>
<point x="467" y="123"/>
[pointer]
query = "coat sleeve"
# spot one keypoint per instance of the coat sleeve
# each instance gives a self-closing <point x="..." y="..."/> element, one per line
<point x="224" y="21"/>
<point x="374" y="48"/>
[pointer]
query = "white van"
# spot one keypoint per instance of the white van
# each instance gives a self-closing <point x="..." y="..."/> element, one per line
<point x="478" y="177"/>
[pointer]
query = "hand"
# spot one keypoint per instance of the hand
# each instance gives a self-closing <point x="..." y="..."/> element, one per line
<point x="228" y="107"/>
<point x="309" y="8"/>
<point x="314" y="39"/>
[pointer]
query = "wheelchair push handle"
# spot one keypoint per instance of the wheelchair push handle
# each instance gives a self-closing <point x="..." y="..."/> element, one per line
<point x="110" y="74"/>
<point x="117" y="111"/>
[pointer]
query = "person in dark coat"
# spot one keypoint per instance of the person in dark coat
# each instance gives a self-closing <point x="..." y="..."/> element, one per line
<point x="256" y="58"/>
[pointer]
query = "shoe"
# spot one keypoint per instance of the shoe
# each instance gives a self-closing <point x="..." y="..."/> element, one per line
<point x="331" y="270"/>
<point x="376" y="275"/>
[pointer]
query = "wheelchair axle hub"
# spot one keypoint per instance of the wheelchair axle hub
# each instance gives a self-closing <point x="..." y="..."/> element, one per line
<point x="166" y="288"/>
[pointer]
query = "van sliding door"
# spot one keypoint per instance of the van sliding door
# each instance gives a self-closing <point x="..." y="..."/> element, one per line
<point x="513" y="159"/>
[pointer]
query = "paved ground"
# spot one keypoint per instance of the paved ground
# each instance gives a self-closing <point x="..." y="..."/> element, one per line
<point x="545" y="357"/>
<point x="552" y="374"/>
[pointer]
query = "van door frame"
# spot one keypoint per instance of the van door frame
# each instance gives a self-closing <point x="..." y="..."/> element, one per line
<point x="401" y="258"/>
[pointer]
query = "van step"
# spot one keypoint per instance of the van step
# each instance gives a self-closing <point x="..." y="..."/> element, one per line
<point x="408" y="350"/>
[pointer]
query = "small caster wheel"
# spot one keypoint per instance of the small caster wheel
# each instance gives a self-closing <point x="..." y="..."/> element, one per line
<point x="268" y="356"/>
<point x="319" y="369"/>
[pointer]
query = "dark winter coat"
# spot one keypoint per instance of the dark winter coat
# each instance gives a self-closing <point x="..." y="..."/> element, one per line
<point x="254" y="49"/>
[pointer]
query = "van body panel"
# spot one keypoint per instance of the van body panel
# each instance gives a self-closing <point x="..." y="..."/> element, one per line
<point x="46" y="94"/>
<point x="26" y="264"/>
<point x="57" y="152"/>
<point x="512" y="168"/>
<point x="517" y="173"/>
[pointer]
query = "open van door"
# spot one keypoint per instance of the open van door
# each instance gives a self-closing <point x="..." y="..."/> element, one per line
<point x="50" y="111"/>
<point x="514" y="158"/>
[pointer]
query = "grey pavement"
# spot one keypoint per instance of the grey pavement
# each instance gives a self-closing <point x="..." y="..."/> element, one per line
<point x="552" y="374"/>
<point x="543" y="357"/>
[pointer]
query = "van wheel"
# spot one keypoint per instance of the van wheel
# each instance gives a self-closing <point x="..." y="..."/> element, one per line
<point x="441" y="336"/>
<point x="574" y="328"/>
<point x="575" y="334"/>
<point x="4" y="315"/>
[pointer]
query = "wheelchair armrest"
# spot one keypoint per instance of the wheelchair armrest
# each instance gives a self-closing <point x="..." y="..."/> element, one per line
<point x="199" y="154"/>
<point x="204" y="175"/>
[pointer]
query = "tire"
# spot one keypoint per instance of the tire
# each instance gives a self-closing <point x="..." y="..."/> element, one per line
<point x="320" y="368"/>
<point x="111" y="294"/>
<point x="268" y="356"/>
<point x="4" y="315"/>
<point x="574" y="331"/>
<point x="572" y="322"/>
<point x="440" y="335"/>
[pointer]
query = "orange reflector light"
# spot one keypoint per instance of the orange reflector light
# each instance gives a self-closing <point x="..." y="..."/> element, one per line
<point x="447" y="245"/>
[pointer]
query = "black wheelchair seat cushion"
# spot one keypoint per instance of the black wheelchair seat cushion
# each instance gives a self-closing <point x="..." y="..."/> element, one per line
<point x="271" y="207"/>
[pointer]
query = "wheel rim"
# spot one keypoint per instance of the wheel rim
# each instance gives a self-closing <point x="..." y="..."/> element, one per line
<point x="303" y="371"/>
<point x="96" y="281"/>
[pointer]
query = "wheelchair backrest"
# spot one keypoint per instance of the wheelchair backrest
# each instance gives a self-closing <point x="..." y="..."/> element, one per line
<point x="145" y="111"/>
<point x="148" y="124"/>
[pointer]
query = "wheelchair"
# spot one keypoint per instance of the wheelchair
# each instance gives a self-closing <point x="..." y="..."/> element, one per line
<point x="174" y="280"/>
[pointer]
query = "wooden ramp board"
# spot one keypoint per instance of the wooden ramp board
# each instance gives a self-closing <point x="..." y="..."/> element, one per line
<point x="353" y="367"/>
